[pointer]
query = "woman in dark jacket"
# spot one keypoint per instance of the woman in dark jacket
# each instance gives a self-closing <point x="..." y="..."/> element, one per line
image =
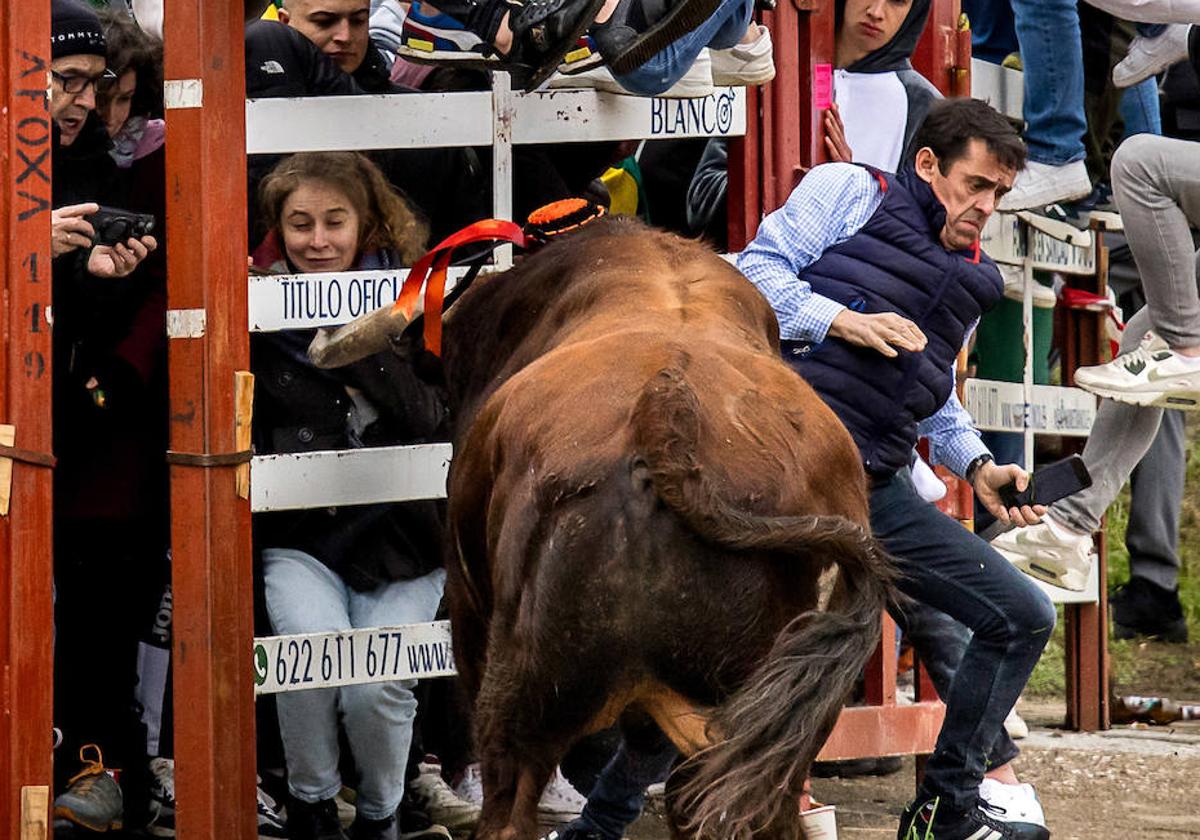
<point x="335" y="569"/>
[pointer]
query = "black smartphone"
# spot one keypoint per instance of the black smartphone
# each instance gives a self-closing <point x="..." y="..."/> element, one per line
<point x="1047" y="485"/>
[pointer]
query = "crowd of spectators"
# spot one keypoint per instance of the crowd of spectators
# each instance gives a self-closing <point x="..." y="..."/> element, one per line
<point x="1102" y="82"/>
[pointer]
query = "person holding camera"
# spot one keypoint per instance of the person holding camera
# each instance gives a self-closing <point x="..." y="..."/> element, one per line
<point x="110" y="485"/>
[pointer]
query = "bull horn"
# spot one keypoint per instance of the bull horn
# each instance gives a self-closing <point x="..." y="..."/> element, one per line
<point x="362" y="337"/>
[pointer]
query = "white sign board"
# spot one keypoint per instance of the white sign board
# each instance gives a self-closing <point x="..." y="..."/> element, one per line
<point x="373" y="475"/>
<point x="352" y="657"/>
<point x="1000" y="407"/>
<point x="1003" y="239"/>
<point x="301" y="301"/>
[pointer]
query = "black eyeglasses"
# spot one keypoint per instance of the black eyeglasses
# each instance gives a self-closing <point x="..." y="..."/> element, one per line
<point x="74" y="83"/>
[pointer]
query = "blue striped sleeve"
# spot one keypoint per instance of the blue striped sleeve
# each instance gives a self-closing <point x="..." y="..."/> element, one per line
<point x="829" y="206"/>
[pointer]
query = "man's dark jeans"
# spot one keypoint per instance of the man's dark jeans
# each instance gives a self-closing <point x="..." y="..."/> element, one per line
<point x="946" y="567"/>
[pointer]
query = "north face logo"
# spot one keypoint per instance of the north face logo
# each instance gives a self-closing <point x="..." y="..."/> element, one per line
<point x="272" y="67"/>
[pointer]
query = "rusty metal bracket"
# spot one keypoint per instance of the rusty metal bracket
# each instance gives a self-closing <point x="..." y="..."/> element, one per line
<point x="28" y="456"/>
<point x="209" y="459"/>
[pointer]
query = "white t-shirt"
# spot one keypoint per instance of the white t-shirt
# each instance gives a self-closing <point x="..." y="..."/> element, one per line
<point x="874" y="108"/>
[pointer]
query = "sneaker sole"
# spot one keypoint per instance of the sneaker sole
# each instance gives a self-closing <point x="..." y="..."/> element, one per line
<point x="1175" y="633"/>
<point x="1030" y="567"/>
<point x="1047" y="198"/>
<point x="445" y="57"/>
<point x="64" y="813"/>
<point x="1178" y="400"/>
<point x="680" y="21"/>
<point x="736" y="80"/>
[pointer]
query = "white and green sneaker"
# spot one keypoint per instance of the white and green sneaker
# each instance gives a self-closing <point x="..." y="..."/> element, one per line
<point x="1151" y="375"/>
<point x="1049" y="553"/>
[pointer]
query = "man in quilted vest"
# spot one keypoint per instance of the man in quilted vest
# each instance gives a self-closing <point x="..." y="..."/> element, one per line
<point x="877" y="281"/>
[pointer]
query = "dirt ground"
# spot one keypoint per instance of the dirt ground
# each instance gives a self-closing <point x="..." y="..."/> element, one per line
<point x="1130" y="783"/>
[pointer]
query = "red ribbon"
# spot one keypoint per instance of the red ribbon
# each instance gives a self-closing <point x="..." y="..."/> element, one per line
<point x="439" y="260"/>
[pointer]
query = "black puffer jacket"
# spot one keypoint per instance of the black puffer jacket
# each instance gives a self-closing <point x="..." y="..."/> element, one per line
<point x="110" y="453"/>
<point x="300" y="408"/>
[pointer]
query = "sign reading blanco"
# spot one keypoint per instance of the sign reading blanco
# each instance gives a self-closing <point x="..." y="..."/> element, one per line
<point x="352" y="657"/>
<point x="703" y="116"/>
<point x="1000" y="407"/>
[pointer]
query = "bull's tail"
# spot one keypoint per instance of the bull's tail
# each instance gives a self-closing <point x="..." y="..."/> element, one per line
<point x="769" y="732"/>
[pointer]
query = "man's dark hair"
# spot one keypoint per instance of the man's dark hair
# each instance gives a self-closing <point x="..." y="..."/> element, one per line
<point x="951" y="124"/>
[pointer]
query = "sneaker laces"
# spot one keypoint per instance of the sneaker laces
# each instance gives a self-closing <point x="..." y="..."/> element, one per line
<point x="1150" y="349"/>
<point x="92" y="769"/>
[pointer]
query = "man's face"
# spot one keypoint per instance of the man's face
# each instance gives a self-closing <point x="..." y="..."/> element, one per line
<point x="969" y="190"/>
<point x="339" y="28"/>
<point x="70" y="110"/>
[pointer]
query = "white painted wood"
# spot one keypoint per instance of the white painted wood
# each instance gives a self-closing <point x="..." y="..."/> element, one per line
<point x="1027" y="342"/>
<point x="566" y="116"/>
<point x="504" y="106"/>
<point x="1001" y="407"/>
<point x="348" y="477"/>
<point x="352" y="657"/>
<point x="1000" y="87"/>
<point x="301" y="301"/>
<point x="333" y="123"/>
<point x="1004" y="240"/>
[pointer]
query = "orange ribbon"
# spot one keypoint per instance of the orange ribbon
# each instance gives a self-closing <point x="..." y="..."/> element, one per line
<point x="438" y="260"/>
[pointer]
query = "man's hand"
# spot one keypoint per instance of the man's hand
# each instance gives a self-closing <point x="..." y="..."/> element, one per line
<point x="119" y="260"/>
<point x="883" y="331"/>
<point x="69" y="229"/>
<point x="835" y="136"/>
<point x="987" y="482"/>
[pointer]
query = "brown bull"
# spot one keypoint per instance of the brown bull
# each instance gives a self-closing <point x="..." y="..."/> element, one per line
<point x="643" y="501"/>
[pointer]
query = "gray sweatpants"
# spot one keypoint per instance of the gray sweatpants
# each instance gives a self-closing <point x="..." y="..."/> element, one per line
<point x="1156" y="183"/>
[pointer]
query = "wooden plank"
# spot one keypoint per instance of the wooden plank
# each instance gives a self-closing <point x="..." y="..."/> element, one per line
<point x="243" y="417"/>
<point x="303" y="480"/>
<point x="210" y="525"/>
<point x="26" y="550"/>
<point x="884" y="730"/>
<point x="8" y="436"/>
<point x="35" y="812"/>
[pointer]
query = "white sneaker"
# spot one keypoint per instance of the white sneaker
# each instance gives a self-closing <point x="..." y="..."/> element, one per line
<point x="745" y="65"/>
<point x="1015" y="726"/>
<point x="1040" y="184"/>
<point x="1048" y="554"/>
<point x="271" y="823"/>
<point x="1150" y="375"/>
<point x="1150" y="56"/>
<point x="560" y="801"/>
<point x="445" y="807"/>
<point x="162" y="798"/>
<point x="1014" y="804"/>
<point x="696" y="82"/>
<point x="470" y="786"/>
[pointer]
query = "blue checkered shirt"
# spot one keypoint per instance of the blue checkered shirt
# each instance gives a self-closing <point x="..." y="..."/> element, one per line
<point x="830" y="205"/>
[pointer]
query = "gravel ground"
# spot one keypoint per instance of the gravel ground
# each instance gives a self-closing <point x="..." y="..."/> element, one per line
<point x="1141" y="783"/>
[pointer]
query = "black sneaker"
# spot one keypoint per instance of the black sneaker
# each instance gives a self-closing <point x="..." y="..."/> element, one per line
<point x="929" y="820"/>
<point x="1143" y="608"/>
<point x="314" y="820"/>
<point x="544" y="31"/>
<point x="638" y="29"/>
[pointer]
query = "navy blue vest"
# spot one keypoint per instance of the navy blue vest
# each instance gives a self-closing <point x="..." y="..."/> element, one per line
<point x="896" y="263"/>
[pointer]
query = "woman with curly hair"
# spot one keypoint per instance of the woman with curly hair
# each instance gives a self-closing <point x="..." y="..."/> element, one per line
<point x="335" y="569"/>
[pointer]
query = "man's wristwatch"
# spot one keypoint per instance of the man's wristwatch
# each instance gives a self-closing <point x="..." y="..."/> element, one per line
<point x="974" y="466"/>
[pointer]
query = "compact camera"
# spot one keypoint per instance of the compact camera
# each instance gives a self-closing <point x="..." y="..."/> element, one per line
<point x="114" y="226"/>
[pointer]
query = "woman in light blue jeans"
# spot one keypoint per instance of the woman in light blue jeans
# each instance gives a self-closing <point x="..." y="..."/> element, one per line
<point x="361" y="566"/>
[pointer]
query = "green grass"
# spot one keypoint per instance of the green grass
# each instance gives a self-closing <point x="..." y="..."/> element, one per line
<point x="1139" y="666"/>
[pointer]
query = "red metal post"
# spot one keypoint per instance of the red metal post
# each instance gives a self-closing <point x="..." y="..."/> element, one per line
<point x="210" y="524"/>
<point x="937" y="54"/>
<point x="26" y="629"/>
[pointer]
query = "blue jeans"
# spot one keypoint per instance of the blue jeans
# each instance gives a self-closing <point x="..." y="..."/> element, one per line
<point x="723" y="29"/>
<point x="619" y="795"/>
<point x="306" y="596"/>
<point x="1140" y="108"/>
<point x="945" y="567"/>
<point x="1052" y="55"/>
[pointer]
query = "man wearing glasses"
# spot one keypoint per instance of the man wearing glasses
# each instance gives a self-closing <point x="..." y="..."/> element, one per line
<point x="109" y="339"/>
